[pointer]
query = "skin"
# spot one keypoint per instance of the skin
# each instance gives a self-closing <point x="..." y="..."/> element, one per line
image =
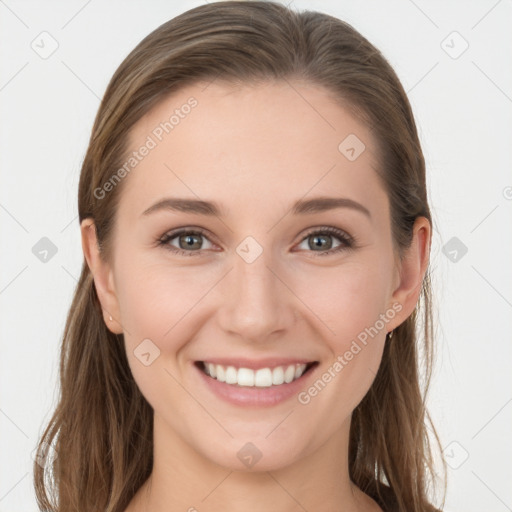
<point x="253" y="149"/>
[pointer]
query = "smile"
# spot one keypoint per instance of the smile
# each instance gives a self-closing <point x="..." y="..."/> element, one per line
<point x="255" y="377"/>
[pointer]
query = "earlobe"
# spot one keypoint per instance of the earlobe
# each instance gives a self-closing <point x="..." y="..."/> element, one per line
<point x="103" y="277"/>
<point x="412" y="269"/>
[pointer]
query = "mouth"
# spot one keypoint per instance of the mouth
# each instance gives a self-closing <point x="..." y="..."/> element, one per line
<point x="241" y="376"/>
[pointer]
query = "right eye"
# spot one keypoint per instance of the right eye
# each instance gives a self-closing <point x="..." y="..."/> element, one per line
<point x="186" y="239"/>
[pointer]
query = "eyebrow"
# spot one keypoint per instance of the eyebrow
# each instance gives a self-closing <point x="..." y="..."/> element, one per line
<point x="300" y="207"/>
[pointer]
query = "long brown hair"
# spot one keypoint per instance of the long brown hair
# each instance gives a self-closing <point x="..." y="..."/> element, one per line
<point x="96" y="451"/>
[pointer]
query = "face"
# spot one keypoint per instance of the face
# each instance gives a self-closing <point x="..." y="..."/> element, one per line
<point x="261" y="280"/>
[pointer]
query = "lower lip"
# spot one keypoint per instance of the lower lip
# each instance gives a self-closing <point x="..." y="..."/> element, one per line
<point x="255" y="396"/>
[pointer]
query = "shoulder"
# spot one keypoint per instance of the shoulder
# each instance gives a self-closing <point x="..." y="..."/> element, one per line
<point x="386" y="499"/>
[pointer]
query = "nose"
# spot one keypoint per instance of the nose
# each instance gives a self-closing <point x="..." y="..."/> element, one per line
<point x="256" y="301"/>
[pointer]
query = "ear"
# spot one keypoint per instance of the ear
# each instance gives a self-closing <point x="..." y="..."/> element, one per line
<point x="103" y="276"/>
<point x="411" y="270"/>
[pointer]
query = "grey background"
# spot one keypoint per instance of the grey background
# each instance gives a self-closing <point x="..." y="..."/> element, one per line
<point x="462" y="99"/>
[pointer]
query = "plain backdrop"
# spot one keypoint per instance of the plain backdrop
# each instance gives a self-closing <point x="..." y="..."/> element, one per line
<point x="455" y="62"/>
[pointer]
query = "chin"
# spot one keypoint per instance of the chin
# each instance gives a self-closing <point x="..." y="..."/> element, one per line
<point x="254" y="454"/>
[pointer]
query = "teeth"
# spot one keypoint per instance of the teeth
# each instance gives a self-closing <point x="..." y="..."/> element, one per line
<point x="221" y="374"/>
<point x="262" y="378"/>
<point x="231" y="375"/>
<point x="245" y="377"/>
<point x="289" y="374"/>
<point x="278" y="376"/>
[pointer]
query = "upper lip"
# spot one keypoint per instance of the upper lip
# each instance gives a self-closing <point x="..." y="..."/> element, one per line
<point x="269" y="362"/>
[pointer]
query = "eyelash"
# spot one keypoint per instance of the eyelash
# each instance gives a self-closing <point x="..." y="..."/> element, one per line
<point x="348" y="242"/>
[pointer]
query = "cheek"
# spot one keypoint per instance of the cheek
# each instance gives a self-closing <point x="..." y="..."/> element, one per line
<point x="148" y="303"/>
<point x="352" y="302"/>
<point x="162" y="304"/>
<point x="156" y="304"/>
<point x="349" y="299"/>
<point x="154" y="297"/>
<point x="355" y="348"/>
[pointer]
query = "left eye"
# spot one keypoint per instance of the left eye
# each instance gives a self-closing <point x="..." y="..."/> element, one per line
<point x="322" y="240"/>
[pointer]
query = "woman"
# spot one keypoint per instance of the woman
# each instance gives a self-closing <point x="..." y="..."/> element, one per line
<point x="256" y="237"/>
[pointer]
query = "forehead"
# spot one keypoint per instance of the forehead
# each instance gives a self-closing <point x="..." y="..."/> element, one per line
<point x="249" y="146"/>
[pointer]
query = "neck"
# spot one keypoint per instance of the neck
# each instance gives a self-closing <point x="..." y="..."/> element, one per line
<point x="182" y="479"/>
